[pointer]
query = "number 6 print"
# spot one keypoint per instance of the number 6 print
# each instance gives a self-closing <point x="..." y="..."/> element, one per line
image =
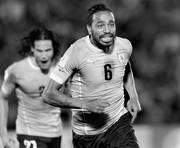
<point x="107" y="72"/>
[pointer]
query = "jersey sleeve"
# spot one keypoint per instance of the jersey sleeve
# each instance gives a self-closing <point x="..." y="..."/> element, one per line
<point x="66" y="65"/>
<point x="129" y="47"/>
<point x="9" y="81"/>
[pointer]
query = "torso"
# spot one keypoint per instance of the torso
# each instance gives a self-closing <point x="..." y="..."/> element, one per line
<point x="100" y="76"/>
<point x="97" y="76"/>
<point x="34" y="116"/>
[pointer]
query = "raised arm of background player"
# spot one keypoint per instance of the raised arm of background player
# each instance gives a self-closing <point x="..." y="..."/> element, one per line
<point x="133" y="105"/>
<point x="6" y="89"/>
<point x="53" y="95"/>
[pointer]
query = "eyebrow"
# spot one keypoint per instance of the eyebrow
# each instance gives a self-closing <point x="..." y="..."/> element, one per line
<point x="45" y="49"/>
<point x="111" y="21"/>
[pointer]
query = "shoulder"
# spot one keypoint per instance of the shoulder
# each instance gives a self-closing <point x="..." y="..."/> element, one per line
<point x="10" y="72"/>
<point x="77" y="48"/>
<point x="16" y="66"/>
<point x="80" y="44"/>
<point x="124" y="43"/>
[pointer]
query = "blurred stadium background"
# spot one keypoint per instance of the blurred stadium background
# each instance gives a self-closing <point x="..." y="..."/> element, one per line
<point x="153" y="28"/>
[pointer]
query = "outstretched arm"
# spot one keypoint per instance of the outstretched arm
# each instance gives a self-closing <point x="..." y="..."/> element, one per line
<point x="133" y="104"/>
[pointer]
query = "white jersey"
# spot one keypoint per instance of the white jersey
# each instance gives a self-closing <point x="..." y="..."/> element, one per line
<point x="97" y="75"/>
<point x="34" y="116"/>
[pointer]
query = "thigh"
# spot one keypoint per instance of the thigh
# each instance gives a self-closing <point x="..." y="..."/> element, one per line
<point x="88" y="141"/>
<point x="55" y="143"/>
<point x="121" y="134"/>
<point x="26" y="141"/>
<point x="80" y="141"/>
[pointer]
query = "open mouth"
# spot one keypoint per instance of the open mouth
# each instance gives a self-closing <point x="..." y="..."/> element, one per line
<point x="44" y="62"/>
<point x="107" y="38"/>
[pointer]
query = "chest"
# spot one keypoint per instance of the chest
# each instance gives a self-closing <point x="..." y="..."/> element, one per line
<point x="104" y="67"/>
<point x="32" y="81"/>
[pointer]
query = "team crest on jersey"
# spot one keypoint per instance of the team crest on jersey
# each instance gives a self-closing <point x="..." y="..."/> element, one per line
<point x="121" y="58"/>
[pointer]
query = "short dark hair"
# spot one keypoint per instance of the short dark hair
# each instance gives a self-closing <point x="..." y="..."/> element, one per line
<point x="39" y="34"/>
<point x="94" y="9"/>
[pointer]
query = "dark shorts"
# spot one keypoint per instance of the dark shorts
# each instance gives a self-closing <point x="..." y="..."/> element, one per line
<point x="26" y="141"/>
<point x="119" y="135"/>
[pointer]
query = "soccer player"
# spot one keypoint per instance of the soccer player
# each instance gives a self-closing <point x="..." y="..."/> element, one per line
<point x="96" y="65"/>
<point x="38" y="124"/>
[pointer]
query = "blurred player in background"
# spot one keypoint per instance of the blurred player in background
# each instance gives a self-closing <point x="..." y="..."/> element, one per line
<point x="38" y="125"/>
<point x="97" y="64"/>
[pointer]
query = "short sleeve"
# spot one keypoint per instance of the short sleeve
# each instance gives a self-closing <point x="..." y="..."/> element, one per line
<point x="9" y="80"/>
<point x="128" y="47"/>
<point x="65" y="66"/>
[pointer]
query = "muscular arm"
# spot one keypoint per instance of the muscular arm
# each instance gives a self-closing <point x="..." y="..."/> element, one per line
<point x="5" y="91"/>
<point x="130" y="85"/>
<point x="3" y="113"/>
<point x="133" y="104"/>
<point x="54" y="95"/>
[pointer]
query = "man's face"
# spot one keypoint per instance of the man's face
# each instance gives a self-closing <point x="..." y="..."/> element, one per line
<point x="43" y="52"/>
<point x="103" y="28"/>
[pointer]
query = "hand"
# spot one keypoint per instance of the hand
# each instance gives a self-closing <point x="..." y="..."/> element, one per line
<point x="95" y="105"/>
<point x="7" y="141"/>
<point x="133" y="107"/>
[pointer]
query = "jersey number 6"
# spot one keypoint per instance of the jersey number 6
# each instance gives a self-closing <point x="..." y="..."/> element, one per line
<point x="107" y="72"/>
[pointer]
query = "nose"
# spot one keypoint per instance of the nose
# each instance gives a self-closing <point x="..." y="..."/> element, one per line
<point x="106" y="29"/>
<point x="43" y="55"/>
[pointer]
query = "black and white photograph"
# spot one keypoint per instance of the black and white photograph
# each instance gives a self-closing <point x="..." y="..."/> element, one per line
<point x="89" y="74"/>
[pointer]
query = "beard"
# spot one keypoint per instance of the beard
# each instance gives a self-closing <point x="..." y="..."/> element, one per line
<point x="106" y="46"/>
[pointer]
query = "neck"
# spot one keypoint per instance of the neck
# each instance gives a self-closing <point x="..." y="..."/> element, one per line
<point x="45" y="71"/>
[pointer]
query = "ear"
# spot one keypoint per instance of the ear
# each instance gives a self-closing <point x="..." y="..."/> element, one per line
<point x="88" y="29"/>
<point x="32" y="49"/>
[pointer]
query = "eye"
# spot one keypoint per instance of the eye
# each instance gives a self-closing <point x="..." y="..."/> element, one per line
<point x="111" y="24"/>
<point x="100" y="25"/>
